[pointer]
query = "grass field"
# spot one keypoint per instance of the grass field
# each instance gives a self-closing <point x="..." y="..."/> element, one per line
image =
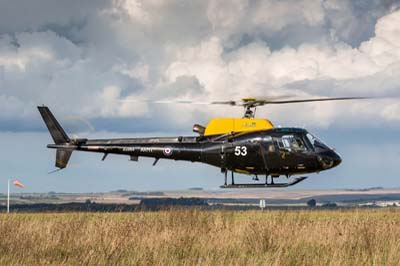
<point x="193" y="237"/>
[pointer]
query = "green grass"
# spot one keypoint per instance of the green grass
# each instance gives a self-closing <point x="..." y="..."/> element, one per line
<point x="193" y="237"/>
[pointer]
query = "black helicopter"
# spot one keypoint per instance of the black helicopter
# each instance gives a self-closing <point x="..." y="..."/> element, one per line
<point x="243" y="145"/>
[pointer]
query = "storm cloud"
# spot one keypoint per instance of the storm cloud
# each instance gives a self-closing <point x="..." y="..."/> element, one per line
<point x="83" y="57"/>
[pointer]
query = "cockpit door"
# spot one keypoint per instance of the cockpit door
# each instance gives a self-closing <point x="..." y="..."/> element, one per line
<point x="270" y="155"/>
<point x="293" y="152"/>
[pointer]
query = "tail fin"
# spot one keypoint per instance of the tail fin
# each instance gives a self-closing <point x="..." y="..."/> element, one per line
<point x="59" y="136"/>
<point x="56" y="131"/>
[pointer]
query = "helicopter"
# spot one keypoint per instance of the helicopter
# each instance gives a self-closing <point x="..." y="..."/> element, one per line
<point x="246" y="145"/>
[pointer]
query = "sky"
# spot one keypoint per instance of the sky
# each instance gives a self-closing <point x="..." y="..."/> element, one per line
<point x="81" y="58"/>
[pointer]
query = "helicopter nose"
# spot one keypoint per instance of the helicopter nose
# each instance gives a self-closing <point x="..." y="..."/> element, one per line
<point x="336" y="159"/>
<point x="329" y="159"/>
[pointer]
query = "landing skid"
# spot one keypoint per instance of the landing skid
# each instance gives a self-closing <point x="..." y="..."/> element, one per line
<point x="274" y="185"/>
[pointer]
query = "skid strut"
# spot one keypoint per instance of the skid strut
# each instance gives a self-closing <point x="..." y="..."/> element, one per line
<point x="226" y="177"/>
<point x="272" y="185"/>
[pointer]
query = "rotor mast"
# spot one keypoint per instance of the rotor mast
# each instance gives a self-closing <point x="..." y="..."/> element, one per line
<point x="249" y="111"/>
<point x="250" y="107"/>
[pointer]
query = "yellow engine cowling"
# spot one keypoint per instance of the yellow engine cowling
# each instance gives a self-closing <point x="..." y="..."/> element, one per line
<point x="218" y="126"/>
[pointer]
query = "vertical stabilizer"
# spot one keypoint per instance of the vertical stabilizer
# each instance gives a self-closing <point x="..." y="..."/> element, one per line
<point x="56" y="131"/>
<point x="59" y="136"/>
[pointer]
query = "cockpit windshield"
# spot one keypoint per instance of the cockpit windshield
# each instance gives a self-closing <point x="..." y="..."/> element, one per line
<point x="316" y="142"/>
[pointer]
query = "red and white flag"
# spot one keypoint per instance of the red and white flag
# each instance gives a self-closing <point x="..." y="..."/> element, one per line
<point x="18" y="184"/>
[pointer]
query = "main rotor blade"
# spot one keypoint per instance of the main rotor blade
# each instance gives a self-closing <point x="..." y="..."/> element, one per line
<point x="163" y="101"/>
<point x="233" y="103"/>
<point x="246" y="101"/>
<point x="241" y="102"/>
<point x="314" y="100"/>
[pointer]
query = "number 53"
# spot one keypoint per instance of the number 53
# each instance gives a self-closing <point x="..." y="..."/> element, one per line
<point x="240" y="150"/>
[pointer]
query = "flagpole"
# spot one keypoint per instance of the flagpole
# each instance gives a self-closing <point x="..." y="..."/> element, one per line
<point x="8" y="196"/>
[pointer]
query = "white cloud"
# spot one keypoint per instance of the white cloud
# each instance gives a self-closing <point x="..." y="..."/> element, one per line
<point x="391" y="112"/>
<point x="87" y="59"/>
<point x="132" y="9"/>
<point x="11" y="105"/>
<point x="139" y="71"/>
<point x="242" y="72"/>
<point x="12" y="58"/>
<point x="278" y="14"/>
<point x="26" y="15"/>
<point x="225" y="13"/>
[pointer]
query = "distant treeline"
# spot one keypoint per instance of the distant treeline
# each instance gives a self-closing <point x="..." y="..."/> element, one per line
<point x="88" y="206"/>
<point x="154" y="204"/>
<point x="160" y="203"/>
<point x="72" y="207"/>
<point x="150" y="193"/>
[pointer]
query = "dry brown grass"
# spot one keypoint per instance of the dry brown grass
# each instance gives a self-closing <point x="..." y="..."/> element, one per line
<point x="193" y="237"/>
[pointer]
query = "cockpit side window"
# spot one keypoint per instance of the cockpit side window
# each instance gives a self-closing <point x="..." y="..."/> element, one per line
<point x="268" y="144"/>
<point x="291" y="143"/>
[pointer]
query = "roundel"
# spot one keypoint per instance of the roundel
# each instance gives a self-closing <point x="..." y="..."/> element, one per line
<point x="168" y="151"/>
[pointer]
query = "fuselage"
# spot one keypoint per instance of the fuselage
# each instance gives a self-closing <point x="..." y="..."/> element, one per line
<point x="275" y="152"/>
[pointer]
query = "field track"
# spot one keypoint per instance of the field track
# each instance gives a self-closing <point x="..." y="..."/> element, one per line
<point x="193" y="237"/>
